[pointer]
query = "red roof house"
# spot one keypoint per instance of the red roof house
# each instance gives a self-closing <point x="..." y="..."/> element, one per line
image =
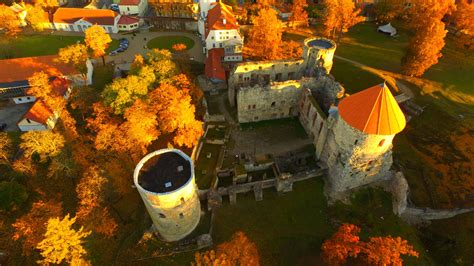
<point x="214" y="69"/>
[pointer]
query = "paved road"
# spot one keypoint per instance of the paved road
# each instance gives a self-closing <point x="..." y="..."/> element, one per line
<point x="138" y="42"/>
<point x="11" y="113"/>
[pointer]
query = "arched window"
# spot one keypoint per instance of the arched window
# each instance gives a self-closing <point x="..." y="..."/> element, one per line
<point x="381" y="142"/>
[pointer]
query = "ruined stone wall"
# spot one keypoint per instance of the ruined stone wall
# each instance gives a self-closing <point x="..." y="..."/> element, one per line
<point x="314" y="53"/>
<point x="263" y="72"/>
<point x="277" y="100"/>
<point x="354" y="158"/>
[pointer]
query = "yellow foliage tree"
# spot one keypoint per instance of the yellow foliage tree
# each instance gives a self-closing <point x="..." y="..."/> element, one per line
<point x="265" y="35"/>
<point x="98" y="41"/>
<point x="47" y="5"/>
<point x="31" y="227"/>
<point x="122" y="93"/>
<point x="9" y="22"/>
<point x="44" y="143"/>
<point x="41" y="88"/>
<point x="36" y="17"/>
<point x="76" y="55"/>
<point x="162" y="64"/>
<point x="298" y="13"/>
<point x="6" y="147"/>
<point x="62" y="242"/>
<point x="339" y="17"/>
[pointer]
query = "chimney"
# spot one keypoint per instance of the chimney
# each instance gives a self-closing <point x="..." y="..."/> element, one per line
<point x="224" y="21"/>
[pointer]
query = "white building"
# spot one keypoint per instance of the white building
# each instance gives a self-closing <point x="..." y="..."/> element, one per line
<point x="133" y="7"/>
<point x="222" y="31"/>
<point x="204" y="6"/>
<point x="80" y="19"/>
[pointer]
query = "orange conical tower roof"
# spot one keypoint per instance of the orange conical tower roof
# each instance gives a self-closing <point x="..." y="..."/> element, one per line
<point x="373" y="111"/>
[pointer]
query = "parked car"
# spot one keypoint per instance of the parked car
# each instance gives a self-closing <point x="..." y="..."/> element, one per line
<point x="114" y="7"/>
<point x="123" y="40"/>
<point x="3" y="126"/>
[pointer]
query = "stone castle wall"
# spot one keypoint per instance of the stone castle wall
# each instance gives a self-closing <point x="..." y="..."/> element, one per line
<point x="354" y="158"/>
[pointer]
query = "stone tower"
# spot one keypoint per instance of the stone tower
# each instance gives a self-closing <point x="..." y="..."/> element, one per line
<point x="358" y="150"/>
<point x="165" y="181"/>
<point x="318" y="52"/>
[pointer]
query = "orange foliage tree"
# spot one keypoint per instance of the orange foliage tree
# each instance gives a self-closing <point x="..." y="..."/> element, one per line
<point x="387" y="250"/>
<point x="339" y="17"/>
<point x="387" y="10"/>
<point x="30" y="228"/>
<point x="345" y="243"/>
<point x="463" y="21"/>
<point x="425" y="46"/>
<point x="98" y="41"/>
<point x="265" y="36"/>
<point x="239" y="251"/>
<point x="298" y="12"/>
<point x="178" y="47"/>
<point x="90" y="193"/>
<point x="9" y="22"/>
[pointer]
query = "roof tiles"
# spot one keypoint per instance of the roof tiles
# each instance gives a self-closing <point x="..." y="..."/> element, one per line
<point x="373" y="111"/>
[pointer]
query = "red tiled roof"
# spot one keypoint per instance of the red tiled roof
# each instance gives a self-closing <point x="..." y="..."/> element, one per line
<point x="38" y="112"/>
<point x="129" y="2"/>
<point x="221" y="17"/>
<point x="214" y="68"/>
<point x="373" y="111"/>
<point x="20" y="69"/>
<point x="127" y="20"/>
<point x="94" y="16"/>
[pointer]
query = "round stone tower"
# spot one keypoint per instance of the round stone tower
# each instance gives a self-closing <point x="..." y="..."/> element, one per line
<point x="318" y="52"/>
<point x="165" y="181"/>
<point x="359" y="148"/>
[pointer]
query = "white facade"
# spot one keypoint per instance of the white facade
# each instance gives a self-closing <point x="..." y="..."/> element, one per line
<point x="134" y="9"/>
<point x="128" y="27"/>
<point x="82" y="25"/>
<point x="222" y="38"/>
<point x="26" y="124"/>
<point x="175" y="214"/>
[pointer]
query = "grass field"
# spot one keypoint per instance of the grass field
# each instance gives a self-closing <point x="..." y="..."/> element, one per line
<point x="289" y="229"/>
<point x="37" y="45"/>
<point x="166" y="42"/>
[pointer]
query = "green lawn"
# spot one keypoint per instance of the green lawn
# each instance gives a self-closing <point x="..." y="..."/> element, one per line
<point x="289" y="229"/>
<point x="204" y="167"/>
<point x="166" y="42"/>
<point x="352" y="78"/>
<point x="38" y="45"/>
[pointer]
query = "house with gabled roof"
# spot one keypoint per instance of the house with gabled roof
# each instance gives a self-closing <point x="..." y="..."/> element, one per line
<point x="80" y="19"/>
<point x="222" y="31"/>
<point x="133" y="7"/>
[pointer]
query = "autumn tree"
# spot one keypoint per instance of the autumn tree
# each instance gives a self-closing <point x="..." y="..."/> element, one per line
<point x="44" y="143"/>
<point x="31" y="227"/>
<point x="41" y="88"/>
<point x="62" y="166"/>
<point x="298" y="12"/>
<point x="265" y="4"/>
<point x="36" y="17"/>
<point x="9" y="21"/>
<point x="48" y="5"/>
<point x="387" y="10"/>
<point x="339" y="17"/>
<point x="162" y="63"/>
<point x="178" y="47"/>
<point x="265" y="35"/>
<point x="137" y="64"/>
<point x="343" y="244"/>
<point x="463" y="21"/>
<point x="98" y="41"/>
<point x="122" y="93"/>
<point x="425" y="46"/>
<point x="90" y="193"/>
<point x="239" y="251"/>
<point x="77" y="55"/>
<point x="176" y="114"/>
<point x="62" y="242"/>
<point x="6" y="148"/>
<point x="387" y="250"/>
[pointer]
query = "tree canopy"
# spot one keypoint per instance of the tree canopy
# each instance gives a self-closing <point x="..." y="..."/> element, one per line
<point x="9" y="21"/>
<point x="44" y="143"/>
<point x="339" y="16"/>
<point x="265" y="35"/>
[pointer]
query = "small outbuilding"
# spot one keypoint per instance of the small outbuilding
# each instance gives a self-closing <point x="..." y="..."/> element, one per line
<point x="387" y="29"/>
